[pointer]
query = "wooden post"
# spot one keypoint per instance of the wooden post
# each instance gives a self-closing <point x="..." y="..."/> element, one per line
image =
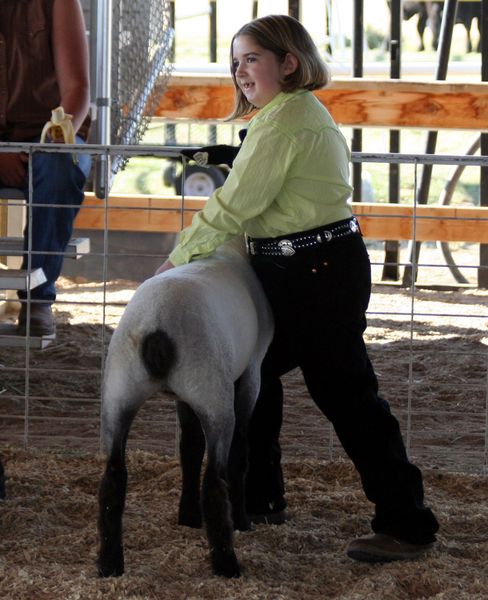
<point x="255" y="9"/>
<point x="392" y="247"/>
<point x="357" y="134"/>
<point x="213" y="31"/>
<point x="448" y="22"/>
<point x="294" y="9"/>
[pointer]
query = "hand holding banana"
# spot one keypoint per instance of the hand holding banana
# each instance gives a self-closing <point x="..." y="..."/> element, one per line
<point x="60" y="128"/>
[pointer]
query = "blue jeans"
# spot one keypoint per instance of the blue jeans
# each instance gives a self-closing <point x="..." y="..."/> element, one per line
<point x="59" y="182"/>
<point x="319" y="299"/>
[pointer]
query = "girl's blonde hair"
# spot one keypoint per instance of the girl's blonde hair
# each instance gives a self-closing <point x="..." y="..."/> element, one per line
<point x="282" y="34"/>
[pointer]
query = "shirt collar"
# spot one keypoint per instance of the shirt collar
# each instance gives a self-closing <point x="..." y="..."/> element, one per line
<point x="280" y="98"/>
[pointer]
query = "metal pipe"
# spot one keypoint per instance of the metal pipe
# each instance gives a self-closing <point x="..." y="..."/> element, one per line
<point x="103" y="86"/>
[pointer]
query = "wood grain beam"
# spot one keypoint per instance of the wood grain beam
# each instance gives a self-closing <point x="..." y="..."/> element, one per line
<point x="381" y="221"/>
<point x="356" y="102"/>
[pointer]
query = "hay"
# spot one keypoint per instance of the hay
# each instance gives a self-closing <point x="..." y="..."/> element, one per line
<point x="48" y="537"/>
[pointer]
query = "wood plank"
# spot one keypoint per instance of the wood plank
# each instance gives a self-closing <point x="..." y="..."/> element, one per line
<point x="431" y="223"/>
<point x="381" y="221"/>
<point x="357" y="102"/>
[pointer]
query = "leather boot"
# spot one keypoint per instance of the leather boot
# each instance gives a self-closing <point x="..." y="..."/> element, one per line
<point x="41" y="320"/>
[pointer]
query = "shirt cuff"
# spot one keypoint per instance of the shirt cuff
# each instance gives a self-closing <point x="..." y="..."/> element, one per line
<point x="179" y="257"/>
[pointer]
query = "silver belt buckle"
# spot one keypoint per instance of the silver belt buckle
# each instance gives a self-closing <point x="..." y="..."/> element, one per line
<point x="353" y="225"/>
<point x="252" y="249"/>
<point x="286" y="248"/>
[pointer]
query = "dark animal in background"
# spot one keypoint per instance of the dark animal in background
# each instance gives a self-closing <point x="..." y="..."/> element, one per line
<point x="200" y="331"/>
<point x="430" y="15"/>
<point x="466" y="13"/>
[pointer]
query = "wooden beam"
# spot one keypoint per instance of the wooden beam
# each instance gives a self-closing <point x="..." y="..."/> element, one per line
<point x="138" y="213"/>
<point x="356" y="102"/>
<point x="381" y="221"/>
<point x="423" y="223"/>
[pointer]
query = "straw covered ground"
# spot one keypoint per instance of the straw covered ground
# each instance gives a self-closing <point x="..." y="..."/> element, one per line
<point x="48" y="537"/>
<point x="433" y="369"/>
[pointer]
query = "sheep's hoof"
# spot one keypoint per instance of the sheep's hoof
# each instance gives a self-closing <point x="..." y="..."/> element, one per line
<point x="189" y="512"/>
<point x="242" y="523"/>
<point x="110" y="567"/>
<point x="193" y="520"/>
<point x="226" y="565"/>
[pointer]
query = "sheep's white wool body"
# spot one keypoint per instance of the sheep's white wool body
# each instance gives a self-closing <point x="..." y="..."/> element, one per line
<point x="217" y="315"/>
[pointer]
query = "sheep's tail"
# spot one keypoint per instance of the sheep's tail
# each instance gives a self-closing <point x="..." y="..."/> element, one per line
<point x="158" y="354"/>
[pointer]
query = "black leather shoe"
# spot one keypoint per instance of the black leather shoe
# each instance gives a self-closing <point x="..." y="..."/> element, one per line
<point x="270" y="518"/>
<point x="41" y="320"/>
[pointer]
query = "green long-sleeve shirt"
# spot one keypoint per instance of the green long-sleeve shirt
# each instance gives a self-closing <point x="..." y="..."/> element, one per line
<point x="291" y="174"/>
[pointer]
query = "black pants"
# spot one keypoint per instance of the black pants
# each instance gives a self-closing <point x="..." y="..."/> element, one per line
<point x="319" y="299"/>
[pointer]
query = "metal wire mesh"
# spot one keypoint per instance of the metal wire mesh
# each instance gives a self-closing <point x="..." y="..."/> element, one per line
<point x="141" y="66"/>
<point x="430" y="351"/>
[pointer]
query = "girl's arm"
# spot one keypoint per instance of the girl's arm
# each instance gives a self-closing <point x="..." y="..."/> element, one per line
<point x="70" y="51"/>
<point x="257" y="176"/>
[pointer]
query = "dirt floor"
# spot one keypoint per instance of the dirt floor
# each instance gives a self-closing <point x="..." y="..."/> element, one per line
<point x="48" y="537"/>
<point x="430" y="353"/>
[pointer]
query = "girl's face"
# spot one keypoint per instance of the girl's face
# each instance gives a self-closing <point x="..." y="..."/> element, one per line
<point x="258" y="72"/>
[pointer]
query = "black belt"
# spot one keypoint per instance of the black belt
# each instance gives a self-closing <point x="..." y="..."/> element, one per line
<point x="287" y="245"/>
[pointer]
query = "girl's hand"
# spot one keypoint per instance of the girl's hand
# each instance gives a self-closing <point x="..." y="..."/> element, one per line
<point x="166" y="266"/>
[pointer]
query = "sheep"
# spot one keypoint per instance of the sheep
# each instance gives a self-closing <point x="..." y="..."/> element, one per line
<point x="200" y="331"/>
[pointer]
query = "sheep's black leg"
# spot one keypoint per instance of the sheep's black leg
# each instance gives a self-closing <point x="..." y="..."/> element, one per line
<point x="192" y="450"/>
<point x="111" y="506"/>
<point x="2" y="482"/>
<point x="246" y="390"/>
<point x="215" y="501"/>
<point x="237" y="470"/>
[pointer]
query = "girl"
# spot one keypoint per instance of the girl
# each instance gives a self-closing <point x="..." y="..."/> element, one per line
<point x="288" y="192"/>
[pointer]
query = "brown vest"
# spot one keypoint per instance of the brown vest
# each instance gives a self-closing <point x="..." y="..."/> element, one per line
<point x="28" y="86"/>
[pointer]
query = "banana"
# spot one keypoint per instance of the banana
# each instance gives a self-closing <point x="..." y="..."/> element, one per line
<point x="59" y="127"/>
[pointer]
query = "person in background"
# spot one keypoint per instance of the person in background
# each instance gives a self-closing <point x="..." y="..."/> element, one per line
<point x="43" y="64"/>
<point x="288" y="192"/>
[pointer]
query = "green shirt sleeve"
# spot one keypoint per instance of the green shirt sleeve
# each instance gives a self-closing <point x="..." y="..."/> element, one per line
<point x="255" y="180"/>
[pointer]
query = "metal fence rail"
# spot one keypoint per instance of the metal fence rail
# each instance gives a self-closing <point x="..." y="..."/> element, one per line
<point x="432" y="356"/>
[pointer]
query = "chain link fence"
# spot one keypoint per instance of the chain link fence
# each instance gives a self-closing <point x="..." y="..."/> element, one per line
<point x="131" y="47"/>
